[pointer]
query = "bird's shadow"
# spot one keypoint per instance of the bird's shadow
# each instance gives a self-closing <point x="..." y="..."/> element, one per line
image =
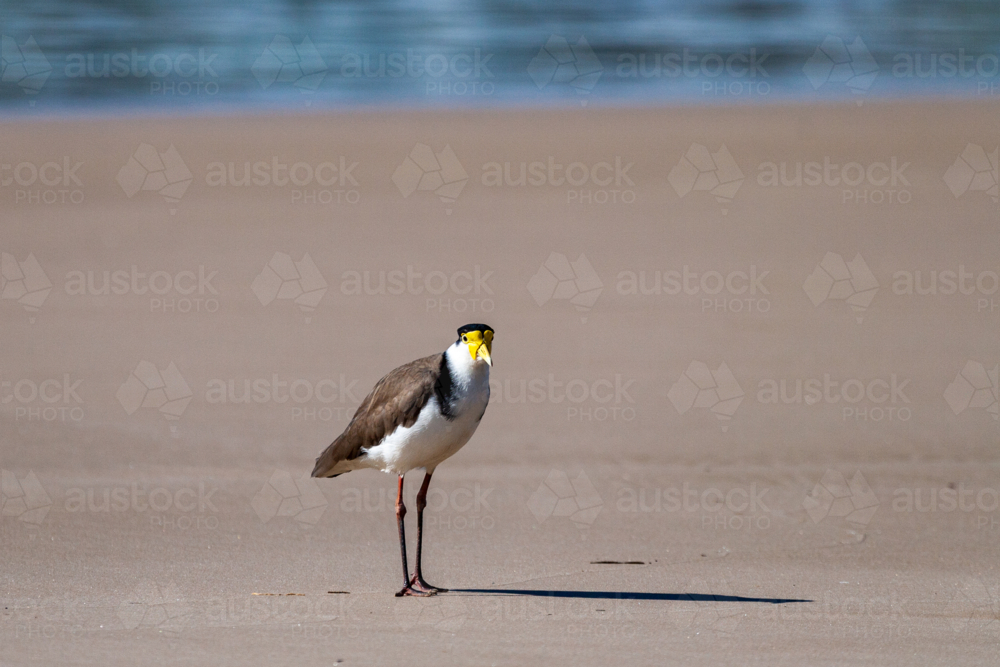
<point x="624" y="595"/>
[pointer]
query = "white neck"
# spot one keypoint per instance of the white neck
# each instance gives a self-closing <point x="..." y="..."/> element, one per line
<point x="466" y="370"/>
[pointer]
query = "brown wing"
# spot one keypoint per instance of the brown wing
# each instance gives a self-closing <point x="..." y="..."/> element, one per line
<point x="396" y="400"/>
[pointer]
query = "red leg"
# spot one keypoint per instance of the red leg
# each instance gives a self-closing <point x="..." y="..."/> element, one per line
<point x="417" y="580"/>
<point x="408" y="589"/>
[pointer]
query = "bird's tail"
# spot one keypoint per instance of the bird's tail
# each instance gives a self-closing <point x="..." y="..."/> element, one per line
<point x="323" y="469"/>
<point x="328" y="460"/>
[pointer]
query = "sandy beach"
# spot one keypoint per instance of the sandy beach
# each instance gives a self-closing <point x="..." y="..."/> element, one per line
<point x="744" y="401"/>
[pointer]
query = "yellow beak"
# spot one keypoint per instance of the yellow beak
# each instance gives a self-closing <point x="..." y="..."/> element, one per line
<point x="479" y="345"/>
<point x="483" y="352"/>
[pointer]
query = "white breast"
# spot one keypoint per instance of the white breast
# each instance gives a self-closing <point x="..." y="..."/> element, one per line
<point x="425" y="444"/>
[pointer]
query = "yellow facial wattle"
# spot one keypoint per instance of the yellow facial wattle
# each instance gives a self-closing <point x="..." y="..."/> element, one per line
<point x="480" y="344"/>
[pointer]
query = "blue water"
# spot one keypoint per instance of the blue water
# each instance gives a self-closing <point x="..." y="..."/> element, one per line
<point x="182" y="54"/>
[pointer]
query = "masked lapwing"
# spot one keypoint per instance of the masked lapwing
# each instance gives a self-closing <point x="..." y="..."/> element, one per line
<point x="416" y="417"/>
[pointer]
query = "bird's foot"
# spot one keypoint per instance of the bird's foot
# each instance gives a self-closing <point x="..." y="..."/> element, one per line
<point x="413" y="591"/>
<point x="417" y="582"/>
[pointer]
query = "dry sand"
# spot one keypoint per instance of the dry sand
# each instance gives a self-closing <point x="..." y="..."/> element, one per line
<point x="856" y="525"/>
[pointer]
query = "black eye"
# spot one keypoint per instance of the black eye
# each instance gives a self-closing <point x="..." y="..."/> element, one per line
<point x="465" y="339"/>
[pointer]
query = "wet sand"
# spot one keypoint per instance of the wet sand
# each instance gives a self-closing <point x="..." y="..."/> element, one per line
<point x="769" y="402"/>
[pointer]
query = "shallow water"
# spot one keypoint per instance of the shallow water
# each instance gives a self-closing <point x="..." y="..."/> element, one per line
<point x="156" y="53"/>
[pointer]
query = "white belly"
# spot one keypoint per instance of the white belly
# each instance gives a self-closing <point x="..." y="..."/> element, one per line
<point x="428" y="442"/>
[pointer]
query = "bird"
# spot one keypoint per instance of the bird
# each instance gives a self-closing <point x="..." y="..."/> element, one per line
<point x="415" y="417"/>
